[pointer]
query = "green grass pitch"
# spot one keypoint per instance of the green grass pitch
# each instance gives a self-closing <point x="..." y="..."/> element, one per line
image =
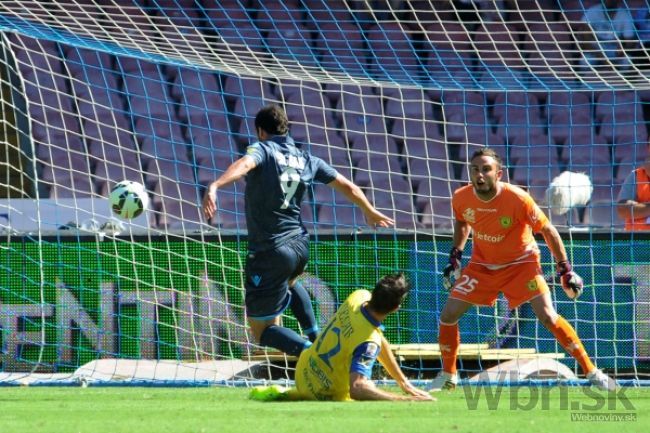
<point x="158" y="410"/>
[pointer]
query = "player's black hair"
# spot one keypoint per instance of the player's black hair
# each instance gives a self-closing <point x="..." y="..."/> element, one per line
<point x="273" y="120"/>
<point x="486" y="151"/>
<point x="389" y="293"/>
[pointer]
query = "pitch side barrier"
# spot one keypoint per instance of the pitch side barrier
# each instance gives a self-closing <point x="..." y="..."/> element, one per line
<point x="69" y="297"/>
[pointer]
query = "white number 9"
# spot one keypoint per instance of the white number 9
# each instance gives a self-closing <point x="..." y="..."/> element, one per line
<point x="289" y="181"/>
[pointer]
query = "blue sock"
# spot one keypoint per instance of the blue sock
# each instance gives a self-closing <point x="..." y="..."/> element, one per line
<point x="302" y="309"/>
<point x="284" y="339"/>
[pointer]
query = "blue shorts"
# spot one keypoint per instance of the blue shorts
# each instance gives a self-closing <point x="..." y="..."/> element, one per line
<point x="268" y="274"/>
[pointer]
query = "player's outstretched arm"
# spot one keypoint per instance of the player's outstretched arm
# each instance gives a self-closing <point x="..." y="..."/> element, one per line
<point x="572" y="283"/>
<point x="388" y="361"/>
<point x="362" y="388"/>
<point x="236" y="171"/>
<point x="353" y="193"/>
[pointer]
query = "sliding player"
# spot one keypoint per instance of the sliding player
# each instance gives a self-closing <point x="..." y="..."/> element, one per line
<point x="339" y="365"/>
<point x="505" y="257"/>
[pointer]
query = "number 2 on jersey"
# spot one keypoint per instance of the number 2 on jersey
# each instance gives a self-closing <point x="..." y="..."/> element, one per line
<point x="289" y="181"/>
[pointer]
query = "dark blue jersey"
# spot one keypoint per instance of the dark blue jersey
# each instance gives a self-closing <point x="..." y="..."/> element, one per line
<point x="275" y="188"/>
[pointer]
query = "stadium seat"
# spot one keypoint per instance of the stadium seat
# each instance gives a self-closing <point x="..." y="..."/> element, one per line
<point x="375" y="168"/>
<point x="275" y="14"/>
<point x="428" y="149"/>
<point x="342" y="217"/>
<point x="108" y="172"/>
<point x="180" y="214"/>
<point x="148" y="95"/>
<point x="630" y="152"/>
<point x="496" y="45"/>
<point x="586" y="150"/>
<point x="438" y="215"/>
<point x="362" y="118"/>
<point x="183" y="15"/>
<point x="604" y="192"/>
<point x="434" y="189"/>
<point x="82" y="61"/>
<point x="549" y="45"/>
<point x="146" y="127"/>
<point x="291" y="42"/>
<point x="76" y="188"/>
<point x="568" y="104"/>
<point x="334" y="152"/>
<point x="449" y="53"/>
<point x="298" y="93"/>
<point x="163" y="147"/>
<point x="158" y="169"/>
<point x="193" y="80"/>
<point x="392" y="54"/>
<point x="328" y="11"/>
<point x="602" y="213"/>
<point x="133" y="67"/>
<point x="534" y="151"/>
<point x="34" y="55"/>
<point x="340" y="46"/>
<point x="536" y="178"/>
<point x="410" y="114"/>
<point x="423" y="170"/>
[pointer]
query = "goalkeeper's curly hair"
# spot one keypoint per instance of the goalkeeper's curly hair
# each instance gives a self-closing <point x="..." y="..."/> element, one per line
<point x="389" y="293"/>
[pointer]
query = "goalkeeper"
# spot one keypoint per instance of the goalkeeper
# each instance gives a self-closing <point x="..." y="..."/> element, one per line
<point x="505" y="257"/>
<point x="339" y="364"/>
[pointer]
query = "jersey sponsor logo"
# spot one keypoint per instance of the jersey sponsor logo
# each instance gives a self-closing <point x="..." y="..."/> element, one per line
<point x="489" y="238"/>
<point x="482" y="209"/>
<point x="505" y="221"/>
<point x="250" y="150"/>
<point x="469" y="215"/>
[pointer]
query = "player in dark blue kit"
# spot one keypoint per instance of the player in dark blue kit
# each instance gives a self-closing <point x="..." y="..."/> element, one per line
<point x="277" y="175"/>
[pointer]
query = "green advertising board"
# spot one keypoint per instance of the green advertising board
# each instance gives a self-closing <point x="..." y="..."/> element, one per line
<point x="69" y="300"/>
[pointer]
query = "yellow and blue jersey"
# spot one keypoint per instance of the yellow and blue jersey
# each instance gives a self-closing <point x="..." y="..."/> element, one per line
<point x="349" y="343"/>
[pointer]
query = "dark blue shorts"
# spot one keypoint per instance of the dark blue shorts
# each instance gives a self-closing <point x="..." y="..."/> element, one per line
<point x="268" y="274"/>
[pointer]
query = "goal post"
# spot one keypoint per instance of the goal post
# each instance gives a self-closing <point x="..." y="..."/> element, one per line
<point x="395" y="95"/>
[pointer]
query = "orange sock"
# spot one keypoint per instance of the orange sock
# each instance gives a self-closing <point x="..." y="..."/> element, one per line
<point x="449" y="340"/>
<point x="568" y="338"/>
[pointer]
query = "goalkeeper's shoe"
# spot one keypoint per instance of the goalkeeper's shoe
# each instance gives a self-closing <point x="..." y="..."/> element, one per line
<point x="443" y="382"/>
<point x="601" y="381"/>
<point x="269" y="393"/>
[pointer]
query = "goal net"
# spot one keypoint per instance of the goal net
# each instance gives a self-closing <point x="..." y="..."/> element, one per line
<point x="395" y="95"/>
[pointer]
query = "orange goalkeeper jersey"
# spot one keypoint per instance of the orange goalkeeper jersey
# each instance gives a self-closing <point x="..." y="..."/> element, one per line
<point x="502" y="228"/>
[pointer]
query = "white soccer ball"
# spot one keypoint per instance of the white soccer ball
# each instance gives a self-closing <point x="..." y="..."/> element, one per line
<point x="129" y="199"/>
<point x="567" y="191"/>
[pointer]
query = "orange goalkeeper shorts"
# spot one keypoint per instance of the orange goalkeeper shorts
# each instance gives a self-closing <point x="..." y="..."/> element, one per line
<point x="519" y="283"/>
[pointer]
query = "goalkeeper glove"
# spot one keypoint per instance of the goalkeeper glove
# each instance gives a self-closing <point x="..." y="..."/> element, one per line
<point x="452" y="268"/>
<point x="571" y="282"/>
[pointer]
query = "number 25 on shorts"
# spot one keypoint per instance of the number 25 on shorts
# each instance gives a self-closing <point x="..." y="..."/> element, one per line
<point x="465" y="285"/>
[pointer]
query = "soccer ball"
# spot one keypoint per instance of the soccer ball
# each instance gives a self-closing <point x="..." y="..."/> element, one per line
<point x="128" y="199"/>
